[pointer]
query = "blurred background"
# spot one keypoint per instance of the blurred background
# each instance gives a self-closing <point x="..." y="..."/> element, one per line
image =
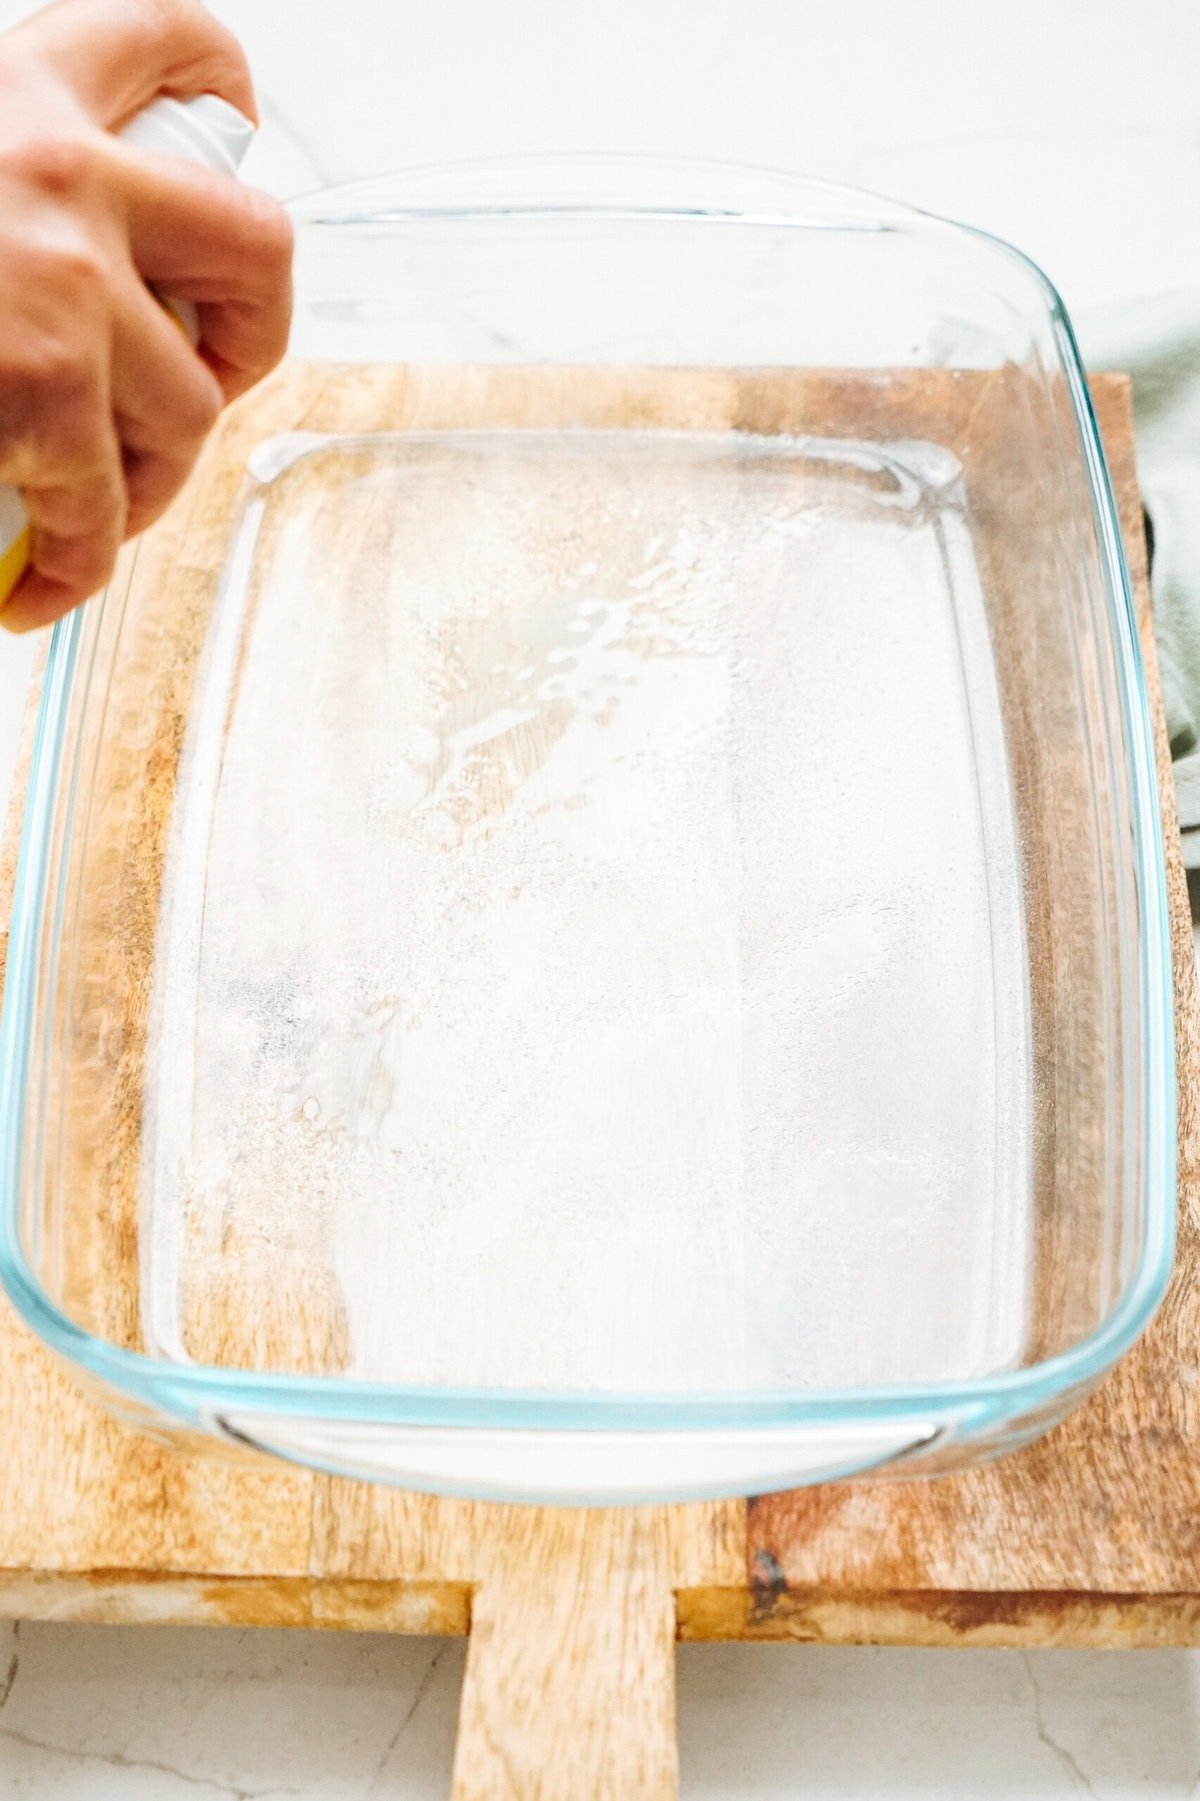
<point x="1071" y="127"/>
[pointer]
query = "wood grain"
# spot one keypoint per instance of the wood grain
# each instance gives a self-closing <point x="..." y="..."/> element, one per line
<point x="1090" y="1537"/>
<point x="570" y="1680"/>
<point x="1103" y="1515"/>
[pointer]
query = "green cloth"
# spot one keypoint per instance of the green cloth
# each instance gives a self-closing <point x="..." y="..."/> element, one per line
<point x="1157" y="342"/>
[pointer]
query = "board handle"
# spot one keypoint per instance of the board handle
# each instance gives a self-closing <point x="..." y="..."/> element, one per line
<point x="569" y="1692"/>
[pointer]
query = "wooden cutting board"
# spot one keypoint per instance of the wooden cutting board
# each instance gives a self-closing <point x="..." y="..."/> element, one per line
<point x="1091" y="1537"/>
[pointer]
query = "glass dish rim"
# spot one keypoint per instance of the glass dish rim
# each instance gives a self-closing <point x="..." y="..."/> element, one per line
<point x="191" y="1392"/>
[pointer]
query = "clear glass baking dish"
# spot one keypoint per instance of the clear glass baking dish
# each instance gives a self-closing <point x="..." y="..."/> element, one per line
<point x="590" y="920"/>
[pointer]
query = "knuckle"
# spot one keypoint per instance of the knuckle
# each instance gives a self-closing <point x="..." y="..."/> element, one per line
<point x="62" y="380"/>
<point x="75" y="266"/>
<point x="51" y="408"/>
<point x="62" y="165"/>
<point x="199" y="408"/>
<point x="56" y="384"/>
<point x="270" y="231"/>
<point x="82" y="562"/>
<point x="77" y="512"/>
<point x="152" y="484"/>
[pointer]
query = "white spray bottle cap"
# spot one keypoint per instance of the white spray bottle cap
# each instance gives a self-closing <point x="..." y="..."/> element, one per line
<point x="206" y="130"/>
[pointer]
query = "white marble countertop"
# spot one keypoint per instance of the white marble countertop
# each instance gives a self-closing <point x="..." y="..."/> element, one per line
<point x="1071" y="127"/>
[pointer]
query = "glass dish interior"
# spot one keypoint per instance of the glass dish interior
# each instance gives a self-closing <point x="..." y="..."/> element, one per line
<point x="633" y="900"/>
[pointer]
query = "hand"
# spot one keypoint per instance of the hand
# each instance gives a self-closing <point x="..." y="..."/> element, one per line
<point x="103" y="403"/>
